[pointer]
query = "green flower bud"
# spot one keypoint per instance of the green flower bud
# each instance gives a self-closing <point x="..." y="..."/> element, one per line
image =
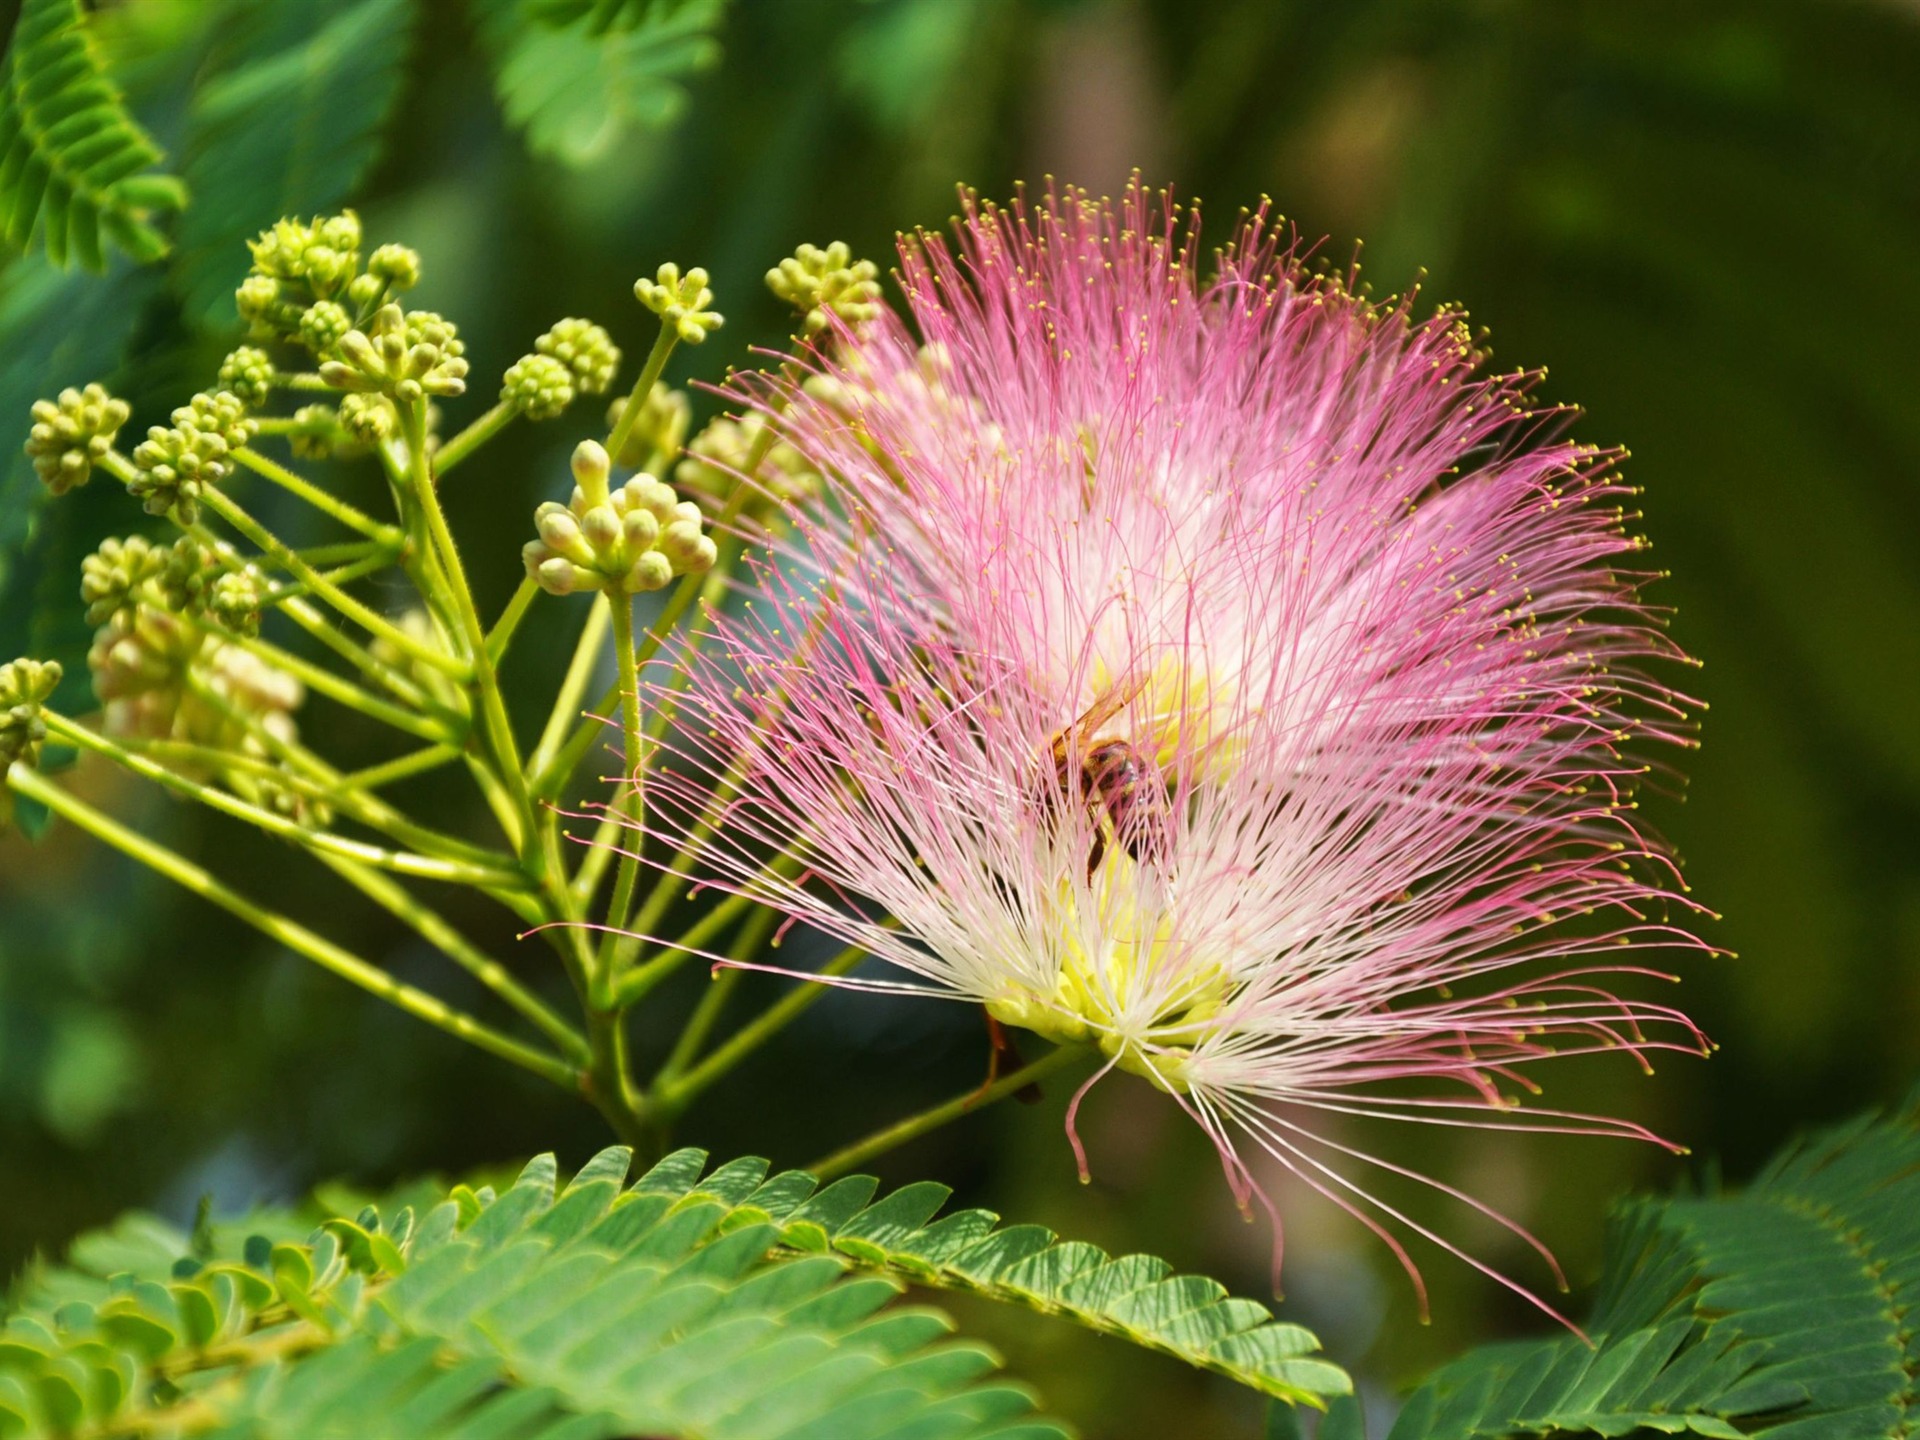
<point x="72" y="434"/>
<point x="539" y="386"/>
<point x="658" y="432"/>
<point x="718" y="457"/>
<point x="406" y="355"/>
<point x="148" y="663"/>
<point x="248" y="373"/>
<point x="25" y="686"/>
<point x="323" y="325"/>
<point x="322" y="256"/>
<point x="368" y="419"/>
<point x="680" y="302"/>
<point x="585" y="349"/>
<point x="631" y="539"/>
<point x="395" y="265"/>
<point x="818" y="282"/>
<point x="235" y="599"/>
<point x="114" y="576"/>
<point x="317" y="434"/>
<point x="258" y="300"/>
<point x="174" y="466"/>
<point x="365" y="291"/>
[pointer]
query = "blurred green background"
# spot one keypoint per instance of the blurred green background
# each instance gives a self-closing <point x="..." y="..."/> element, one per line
<point x="1704" y="218"/>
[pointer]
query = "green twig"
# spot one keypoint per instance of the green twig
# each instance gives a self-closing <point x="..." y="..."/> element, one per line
<point x="673" y="1096"/>
<point x="430" y="926"/>
<point x="490" y="424"/>
<point x="401" y="767"/>
<point x="663" y="344"/>
<point x="291" y="933"/>
<point x="330" y="505"/>
<point x="914" y="1126"/>
<point x="501" y="636"/>
<point x="425" y="867"/>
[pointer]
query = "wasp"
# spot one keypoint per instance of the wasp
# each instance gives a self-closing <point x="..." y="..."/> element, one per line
<point x="1118" y="784"/>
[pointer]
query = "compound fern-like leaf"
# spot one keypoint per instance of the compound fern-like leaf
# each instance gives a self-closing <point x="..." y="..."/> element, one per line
<point x="662" y="1310"/>
<point x="75" y="168"/>
<point x="1781" y="1311"/>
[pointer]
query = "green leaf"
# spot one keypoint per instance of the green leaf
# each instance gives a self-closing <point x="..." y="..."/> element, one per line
<point x="576" y="86"/>
<point x="1776" y="1311"/>
<point x="584" y="1313"/>
<point x="289" y="123"/>
<point x="71" y="156"/>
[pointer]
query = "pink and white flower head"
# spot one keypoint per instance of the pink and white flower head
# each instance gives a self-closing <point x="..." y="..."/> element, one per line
<point x="1227" y="674"/>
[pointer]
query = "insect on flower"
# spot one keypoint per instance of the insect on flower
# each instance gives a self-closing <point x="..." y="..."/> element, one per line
<point x="1115" y="781"/>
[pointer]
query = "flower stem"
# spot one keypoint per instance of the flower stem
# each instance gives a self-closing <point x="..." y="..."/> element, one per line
<point x="475" y="435"/>
<point x="673" y="1094"/>
<point x="566" y="704"/>
<point x="437" y="932"/>
<point x="707" y="1013"/>
<point x="296" y="484"/>
<point x="663" y="344"/>
<point x="425" y="867"/>
<point x="501" y="636"/>
<point x="341" y="691"/>
<point x="291" y="933"/>
<point x="416" y="762"/>
<point x="633" y="801"/>
<point x="324" y="589"/>
<point x="914" y="1126"/>
<point x="493" y="708"/>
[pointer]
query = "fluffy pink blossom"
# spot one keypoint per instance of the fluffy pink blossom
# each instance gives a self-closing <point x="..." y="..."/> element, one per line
<point x="1228" y="674"/>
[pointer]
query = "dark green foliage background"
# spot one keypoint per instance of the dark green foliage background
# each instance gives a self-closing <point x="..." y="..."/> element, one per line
<point x="1704" y="218"/>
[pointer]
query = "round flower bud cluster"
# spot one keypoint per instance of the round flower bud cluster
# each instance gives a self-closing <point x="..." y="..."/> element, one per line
<point x="718" y="457"/>
<point x="636" y="538"/>
<point x="538" y="386"/>
<point x="368" y="419"/>
<point x="115" y="577"/>
<point x="248" y="373"/>
<point x="148" y="666"/>
<point x="318" y="432"/>
<point x="680" y="301"/>
<point x="406" y="355"/>
<point x="25" y="686"/>
<point x="174" y="466"/>
<point x="658" y="431"/>
<point x="323" y="325"/>
<point x="818" y="283"/>
<point x="72" y="434"/>
<point x="307" y="284"/>
<point x="586" y="350"/>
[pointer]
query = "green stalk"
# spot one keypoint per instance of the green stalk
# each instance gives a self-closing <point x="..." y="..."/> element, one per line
<point x="493" y="708"/>
<point x="322" y="588"/>
<point x="342" y="691"/>
<point x="719" y="990"/>
<point x="361" y="658"/>
<point x="633" y="801"/>
<point x="475" y="435"/>
<point x="332" y="506"/>
<point x="566" y="705"/>
<point x="663" y="344"/>
<point x="671" y="1096"/>
<point x="501" y="636"/>
<point x="914" y="1126"/>
<point x="401" y="767"/>
<point x="425" y="867"/>
<point x="430" y="926"/>
<point x="292" y="934"/>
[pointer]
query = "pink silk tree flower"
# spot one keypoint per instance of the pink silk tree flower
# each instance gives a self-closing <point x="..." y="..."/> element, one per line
<point x="1226" y="674"/>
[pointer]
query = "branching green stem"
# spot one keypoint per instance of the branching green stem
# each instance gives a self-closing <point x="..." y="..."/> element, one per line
<point x="437" y="932"/>
<point x="475" y="435"/>
<point x="914" y="1126"/>
<point x="401" y="767"/>
<point x="291" y="933"/>
<point x="672" y="1096"/>
<point x="615" y="946"/>
<point x="501" y="636"/>
<point x="425" y="867"/>
<point x="330" y="505"/>
<point x="324" y="589"/>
